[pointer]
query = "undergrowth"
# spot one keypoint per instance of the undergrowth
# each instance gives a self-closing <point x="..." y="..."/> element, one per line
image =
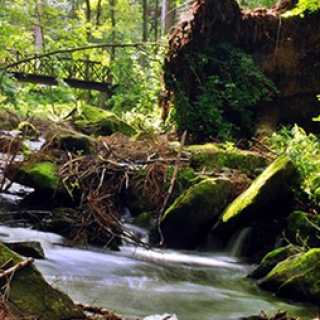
<point x="304" y="150"/>
<point x="229" y="85"/>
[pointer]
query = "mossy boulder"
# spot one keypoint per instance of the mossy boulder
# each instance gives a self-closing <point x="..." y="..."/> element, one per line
<point x="102" y="122"/>
<point x="187" y="221"/>
<point x="268" y="196"/>
<point x="42" y="176"/>
<point x="271" y="260"/>
<point x="212" y="156"/>
<point x="31" y="295"/>
<point x="304" y="229"/>
<point x="297" y="277"/>
<point x="70" y="140"/>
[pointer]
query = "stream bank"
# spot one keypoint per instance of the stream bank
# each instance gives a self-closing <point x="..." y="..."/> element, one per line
<point x="88" y="194"/>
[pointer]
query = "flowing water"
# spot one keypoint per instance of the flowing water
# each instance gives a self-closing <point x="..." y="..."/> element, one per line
<point x="137" y="282"/>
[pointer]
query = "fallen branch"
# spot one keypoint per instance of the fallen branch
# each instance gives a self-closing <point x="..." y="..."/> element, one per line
<point x="175" y="173"/>
<point x="172" y="184"/>
<point x="100" y="311"/>
<point x="7" y="273"/>
<point x="265" y="147"/>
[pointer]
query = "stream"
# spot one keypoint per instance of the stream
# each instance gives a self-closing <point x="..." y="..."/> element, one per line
<point x="137" y="282"/>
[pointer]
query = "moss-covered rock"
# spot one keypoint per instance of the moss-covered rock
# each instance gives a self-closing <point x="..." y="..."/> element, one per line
<point x="297" y="277"/>
<point x="268" y="195"/>
<point x="40" y="176"/>
<point x="70" y="140"/>
<point x="31" y="295"/>
<point x="212" y="156"/>
<point x="304" y="229"/>
<point x="144" y="220"/>
<point x="187" y="221"/>
<point x="102" y="122"/>
<point x="271" y="260"/>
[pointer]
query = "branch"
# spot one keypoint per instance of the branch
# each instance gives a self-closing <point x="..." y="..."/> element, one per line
<point x="100" y="311"/>
<point x="17" y="267"/>
<point x="96" y="46"/>
<point x="172" y="184"/>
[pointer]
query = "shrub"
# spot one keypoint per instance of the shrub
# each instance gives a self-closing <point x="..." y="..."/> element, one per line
<point x="229" y="85"/>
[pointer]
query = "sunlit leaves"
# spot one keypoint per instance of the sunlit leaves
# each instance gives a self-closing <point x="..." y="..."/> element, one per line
<point x="304" y="7"/>
<point x="304" y="150"/>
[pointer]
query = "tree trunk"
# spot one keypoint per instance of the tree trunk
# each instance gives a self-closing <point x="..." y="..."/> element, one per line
<point x="38" y="29"/>
<point x="287" y="51"/>
<point x="99" y="13"/>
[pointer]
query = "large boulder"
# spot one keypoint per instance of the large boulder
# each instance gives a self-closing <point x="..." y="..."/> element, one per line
<point x="211" y="156"/>
<point x="303" y="229"/>
<point x="271" y="259"/>
<point x="268" y="196"/>
<point x="31" y="295"/>
<point x="42" y="176"/>
<point x="70" y="140"/>
<point x="187" y="221"/>
<point x="298" y="277"/>
<point x="102" y="122"/>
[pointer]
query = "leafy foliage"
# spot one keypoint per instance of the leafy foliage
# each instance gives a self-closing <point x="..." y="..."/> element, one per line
<point x="230" y="85"/>
<point x="252" y="4"/>
<point x="304" y="7"/>
<point x="136" y="73"/>
<point x="304" y="150"/>
<point x="138" y="84"/>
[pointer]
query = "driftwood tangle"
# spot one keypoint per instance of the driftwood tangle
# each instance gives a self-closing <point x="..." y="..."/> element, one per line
<point x="286" y="49"/>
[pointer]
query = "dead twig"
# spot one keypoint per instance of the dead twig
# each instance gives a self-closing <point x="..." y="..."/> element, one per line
<point x="108" y="315"/>
<point x="172" y="184"/>
<point x="8" y="272"/>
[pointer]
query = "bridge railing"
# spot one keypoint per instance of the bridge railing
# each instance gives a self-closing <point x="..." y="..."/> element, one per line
<point x="60" y="66"/>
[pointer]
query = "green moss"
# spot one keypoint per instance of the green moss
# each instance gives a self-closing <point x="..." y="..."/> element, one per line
<point x="185" y="178"/>
<point x="297" y="277"/>
<point x="271" y="260"/>
<point x="30" y="294"/>
<point x="205" y="194"/>
<point x="70" y="140"/>
<point x="42" y="175"/>
<point x="304" y="229"/>
<point x="193" y="210"/>
<point x="144" y="220"/>
<point x="102" y="122"/>
<point x="276" y="178"/>
<point x="212" y="156"/>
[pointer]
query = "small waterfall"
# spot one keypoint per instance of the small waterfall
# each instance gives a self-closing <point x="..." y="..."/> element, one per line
<point x="237" y="243"/>
<point x="140" y="233"/>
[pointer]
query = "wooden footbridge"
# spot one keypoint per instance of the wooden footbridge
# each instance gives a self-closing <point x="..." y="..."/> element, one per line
<point x="80" y="73"/>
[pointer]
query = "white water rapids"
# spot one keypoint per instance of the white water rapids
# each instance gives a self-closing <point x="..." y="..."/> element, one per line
<point x="136" y="282"/>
